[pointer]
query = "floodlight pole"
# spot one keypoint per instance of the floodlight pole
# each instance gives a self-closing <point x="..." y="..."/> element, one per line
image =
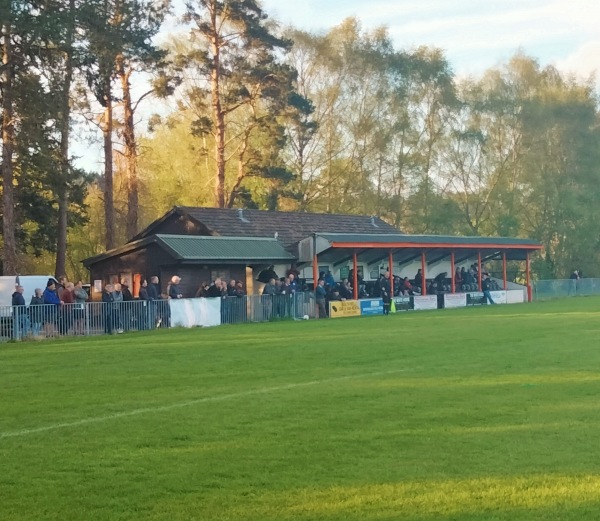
<point x="423" y="274"/>
<point x="504" y="270"/>
<point x="479" y="268"/>
<point x="355" y="275"/>
<point x="391" y="270"/>
<point x="452" y="269"/>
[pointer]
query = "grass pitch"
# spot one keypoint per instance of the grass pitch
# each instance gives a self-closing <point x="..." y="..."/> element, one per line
<point x="475" y="414"/>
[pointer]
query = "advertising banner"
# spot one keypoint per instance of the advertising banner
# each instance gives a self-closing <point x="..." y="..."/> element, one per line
<point x="455" y="300"/>
<point x="195" y="312"/>
<point x="371" y="306"/>
<point x="499" y="297"/>
<point x="515" y="296"/>
<point x="344" y="308"/>
<point x="475" y="298"/>
<point x="425" y="302"/>
<point x="402" y="303"/>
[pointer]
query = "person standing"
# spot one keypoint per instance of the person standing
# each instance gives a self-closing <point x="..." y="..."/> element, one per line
<point x="52" y="307"/>
<point x="81" y="298"/>
<point x="108" y="311"/>
<point x="320" y="296"/>
<point x="485" y="286"/>
<point x="174" y="289"/>
<point x="21" y="320"/>
<point x="117" y="308"/>
<point x="386" y="293"/>
<point x="36" y="312"/>
<point x="66" y="315"/>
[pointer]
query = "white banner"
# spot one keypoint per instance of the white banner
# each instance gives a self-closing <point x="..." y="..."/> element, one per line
<point x="499" y="297"/>
<point x="193" y="312"/>
<point x="515" y="296"/>
<point x="455" y="300"/>
<point x="426" y="302"/>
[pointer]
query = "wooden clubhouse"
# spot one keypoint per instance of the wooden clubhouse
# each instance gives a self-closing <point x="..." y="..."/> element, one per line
<point x="200" y="244"/>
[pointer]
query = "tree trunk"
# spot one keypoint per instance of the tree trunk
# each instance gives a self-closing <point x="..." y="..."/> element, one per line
<point x="218" y="114"/>
<point x="109" y="204"/>
<point x="130" y="152"/>
<point x="63" y="185"/>
<point x="9" y="253"/>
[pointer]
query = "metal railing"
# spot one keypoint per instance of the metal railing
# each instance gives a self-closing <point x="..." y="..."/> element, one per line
<point x="549" y="289"/>
<point x="100" y="318"/>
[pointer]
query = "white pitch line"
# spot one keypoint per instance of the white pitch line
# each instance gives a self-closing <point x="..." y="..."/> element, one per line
<point x="160" y="408"/>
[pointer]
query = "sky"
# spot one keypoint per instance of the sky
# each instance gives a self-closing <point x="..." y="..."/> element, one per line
<point x="475" y="34"/>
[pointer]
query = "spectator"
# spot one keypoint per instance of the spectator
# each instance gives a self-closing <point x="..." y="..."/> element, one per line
<point x="419" y="279"/>
<point x="66" y="312"/>
<point x="465" y="276"/>
<point x="108" y="300"/>
<point x="81" y="295"/>
<point x="127" y="295"/>
<point x="52" y="306"/>
<point x="203" y="290"/>
<point x="345" y="289"/>
<point x="239" y="289"/>
<point x="293" y="271"/>
<point x="320" y="296"/>
<point x="284" y="286"/>
<point x="231" y="289"/>
<point x="36" y="312"/>
<point x="458" y="280"/>
<point x="359" y="277"/>
<point x="21" y="320"/>
<point x="385" y="290"/>
<point x="432" y="289"/>
<point x="407" y="288"/>
<point x="117" y="307"/>
<point x="270" y="288"/>
<point x="174" y="292"/>
<point x="574" y="275"/>
<point x="154" y="288"/>
<point x="147" y="314"/>
<point x="293" y="283"/>
<point x="329" y="280"/>
<point x="62" y="284"/>
<point x="215" y="290"/>
<point x="485" y="286"/>
<point x="144" y="295"/>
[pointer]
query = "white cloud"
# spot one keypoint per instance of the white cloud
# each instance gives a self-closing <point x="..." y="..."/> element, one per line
<point x="584" y="62"/>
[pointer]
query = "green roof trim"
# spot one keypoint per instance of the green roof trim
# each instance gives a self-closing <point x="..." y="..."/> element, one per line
<point x="207" y="248"/>
<point x="429" y="240"/>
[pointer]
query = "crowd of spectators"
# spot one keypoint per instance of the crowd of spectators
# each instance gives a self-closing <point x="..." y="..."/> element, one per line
<point x="60" y="308"/>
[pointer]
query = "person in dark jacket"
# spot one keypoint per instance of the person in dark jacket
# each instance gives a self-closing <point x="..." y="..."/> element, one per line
<point x="36" y="312"/>
<point x="21" y="320"/>
<point x="52" y="307"/>
<point x="108" y="300"/>
<point x="174" y="290"/>
<point x="485" y="287"/>
<point x="385" y="290"/>
<point x="154" y="289"/>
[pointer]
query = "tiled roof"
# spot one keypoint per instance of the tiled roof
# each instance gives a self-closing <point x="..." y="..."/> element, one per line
<point x="287" y="227"/>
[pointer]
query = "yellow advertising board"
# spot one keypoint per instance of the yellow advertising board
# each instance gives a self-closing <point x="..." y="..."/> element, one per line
<point x="344" y="308"/>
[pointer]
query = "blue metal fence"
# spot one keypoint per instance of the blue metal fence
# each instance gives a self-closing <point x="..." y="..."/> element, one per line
<point x="99" y="318"/>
